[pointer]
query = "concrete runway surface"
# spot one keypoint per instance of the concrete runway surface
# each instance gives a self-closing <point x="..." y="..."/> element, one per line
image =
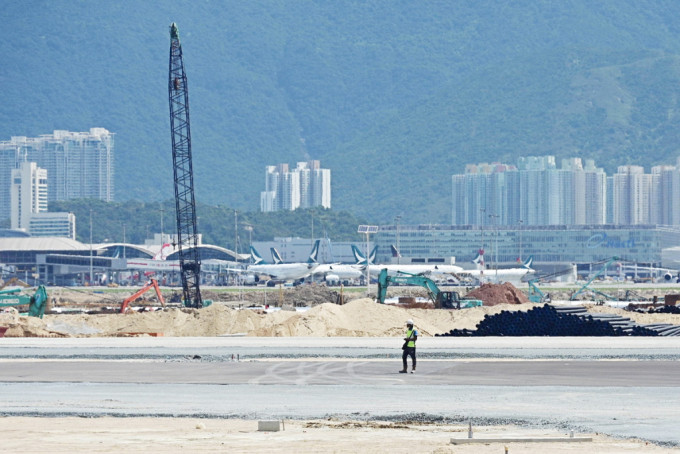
<point x="618" y="386"/>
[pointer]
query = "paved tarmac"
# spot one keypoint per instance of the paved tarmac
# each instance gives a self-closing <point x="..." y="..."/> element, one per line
<point x="350" y="372"/>
<point x="621" y="387"/>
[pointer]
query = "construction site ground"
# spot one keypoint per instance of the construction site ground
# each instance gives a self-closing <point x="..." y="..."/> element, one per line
<point x="293" y="315"/>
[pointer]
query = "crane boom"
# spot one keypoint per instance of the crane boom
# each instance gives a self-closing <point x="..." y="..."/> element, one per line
<point x="185" y="203"/>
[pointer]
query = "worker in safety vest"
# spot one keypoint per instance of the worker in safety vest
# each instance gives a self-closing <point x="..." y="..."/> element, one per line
<point x="409" y="347"/>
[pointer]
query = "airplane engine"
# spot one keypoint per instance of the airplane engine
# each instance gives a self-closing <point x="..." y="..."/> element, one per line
<point x="332" y="279"/>
<point x="668" y="277"/>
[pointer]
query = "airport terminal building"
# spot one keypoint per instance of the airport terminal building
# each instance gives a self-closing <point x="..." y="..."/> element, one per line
<point x="552" y="247"/>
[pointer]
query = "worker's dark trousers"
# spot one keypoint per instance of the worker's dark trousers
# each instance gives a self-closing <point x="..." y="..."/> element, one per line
<point x="409" y="351"/>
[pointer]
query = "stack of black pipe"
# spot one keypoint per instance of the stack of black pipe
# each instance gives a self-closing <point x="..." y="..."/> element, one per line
<point x="551" y="320"/>
<point x="659" y="310"/>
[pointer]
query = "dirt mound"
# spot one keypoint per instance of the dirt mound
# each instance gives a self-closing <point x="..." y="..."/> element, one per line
<point x="360" y="317"/>
<point x="493" y="294"/>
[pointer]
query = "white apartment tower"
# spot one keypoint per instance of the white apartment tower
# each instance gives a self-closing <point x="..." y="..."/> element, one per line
<point x="306" y="186"/>
<point x="28" y="193"/>
<point x="633" y="196"/>
<point x="78" y="164"/>
<point x="536" y="192"/>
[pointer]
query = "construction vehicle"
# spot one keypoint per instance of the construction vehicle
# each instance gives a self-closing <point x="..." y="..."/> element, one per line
<point x="441" y="299"/>
<point x="36" y="302"/>
<point x="185" y="203"/>
<point x="535" y="294"/>
<point x="14" y="281"/>
<point x="153" y="283"/>
<point x="595" y="276"/>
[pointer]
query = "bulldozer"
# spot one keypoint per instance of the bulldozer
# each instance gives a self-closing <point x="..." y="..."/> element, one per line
<point x="441" y="299"/>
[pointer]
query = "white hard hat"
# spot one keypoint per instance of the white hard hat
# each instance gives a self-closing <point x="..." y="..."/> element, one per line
<point x="409" y="322"/>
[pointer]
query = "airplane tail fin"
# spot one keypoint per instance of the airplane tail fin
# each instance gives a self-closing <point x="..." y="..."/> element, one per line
<point x="276" y="256"/>
<point x="527" y="263"/>
<point x="358" y="256"/>
<point x="395" y="251"/>
<point x="257" y="258"/>
<point x="479" y="260"/>
<point x="313" y="256"/>
<point x="371" y="256"/>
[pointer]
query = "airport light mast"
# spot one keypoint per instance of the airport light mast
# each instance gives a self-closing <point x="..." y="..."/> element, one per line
<point x="185" y="203"/>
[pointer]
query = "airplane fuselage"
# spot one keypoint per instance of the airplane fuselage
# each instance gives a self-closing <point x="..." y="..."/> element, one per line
<point x="342" y="271"/>
<point x="284" y="271"/>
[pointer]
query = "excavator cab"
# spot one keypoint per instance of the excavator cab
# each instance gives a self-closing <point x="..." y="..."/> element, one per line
<point x="448" y="300"/>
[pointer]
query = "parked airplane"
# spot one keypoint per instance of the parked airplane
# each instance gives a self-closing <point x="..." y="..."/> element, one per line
<point x="513" y="275"/>
<point x="426" y="270"/>
<point x="284" y="271"/>
<point x="337" y="272"/>
<point x="666" y="274"/>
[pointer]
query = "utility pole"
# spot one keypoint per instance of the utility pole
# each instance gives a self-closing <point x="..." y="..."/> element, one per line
<point x="162" y="210"/>
<point x="520" y="240"/>
<point x="91" y="267"/>
<point x="367" y="230"/>
<point x="236" y="231"/>
<point x="249" y="229"/>
<point x="481" y="226"/>
<point x="396" y="221"/>
<point x="494" y="218"/>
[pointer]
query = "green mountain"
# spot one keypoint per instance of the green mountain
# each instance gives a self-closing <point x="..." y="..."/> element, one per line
<point x="394" y="97"/>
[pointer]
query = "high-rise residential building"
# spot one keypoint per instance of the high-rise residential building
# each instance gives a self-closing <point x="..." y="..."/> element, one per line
<point x="595" y="194"/>
<point x="28" y="194"/>
<point x="536" y="192"/>
<point x="306" y="186"/>
<point x="633" y="193"/>
<point x="78" y="164"/>
<point x="539" y="193"/>
<point x="11" y="158"/>
<point x="667" y="210"/>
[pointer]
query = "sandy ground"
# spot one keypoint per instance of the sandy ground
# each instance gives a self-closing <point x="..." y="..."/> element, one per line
<point x="358" y="318"/>
<point x="183" y="435"/>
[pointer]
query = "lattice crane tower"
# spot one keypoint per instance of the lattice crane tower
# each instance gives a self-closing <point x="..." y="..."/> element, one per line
<point x="185" y="203"/>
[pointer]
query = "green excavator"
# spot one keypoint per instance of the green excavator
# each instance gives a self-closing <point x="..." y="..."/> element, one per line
<point x="36" y="302"/>
<point x="441" y="299"/>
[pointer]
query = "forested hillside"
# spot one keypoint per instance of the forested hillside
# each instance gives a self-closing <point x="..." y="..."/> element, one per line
<point x="394" y="97"/>
<point x="134" y="222"/>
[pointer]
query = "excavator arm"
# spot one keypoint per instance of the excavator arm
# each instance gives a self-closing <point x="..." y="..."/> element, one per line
<point x="441" y="299"/>
<point x="152" y="284"/>
<point x="385" y="280"/>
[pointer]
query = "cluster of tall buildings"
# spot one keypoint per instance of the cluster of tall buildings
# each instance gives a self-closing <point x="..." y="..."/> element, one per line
<point x="60" y="166"/>
<point x="538" y="192"/>
<point x="306" y="186"/>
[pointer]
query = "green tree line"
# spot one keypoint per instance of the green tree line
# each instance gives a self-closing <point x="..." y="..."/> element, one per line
<point x="134" y="221"/>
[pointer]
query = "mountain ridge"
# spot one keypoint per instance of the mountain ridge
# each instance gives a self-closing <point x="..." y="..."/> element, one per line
<point x="381" y="93"/>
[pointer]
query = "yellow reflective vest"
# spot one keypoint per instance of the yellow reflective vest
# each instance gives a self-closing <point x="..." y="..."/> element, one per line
<point x="409" y="333"/>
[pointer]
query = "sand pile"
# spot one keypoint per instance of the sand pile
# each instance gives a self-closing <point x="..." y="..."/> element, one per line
<point x="493" y="294"/>
<point x="361" y="317"/>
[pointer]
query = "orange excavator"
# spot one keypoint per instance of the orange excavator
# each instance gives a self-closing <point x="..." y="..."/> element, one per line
<point x="152" y="283"/>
